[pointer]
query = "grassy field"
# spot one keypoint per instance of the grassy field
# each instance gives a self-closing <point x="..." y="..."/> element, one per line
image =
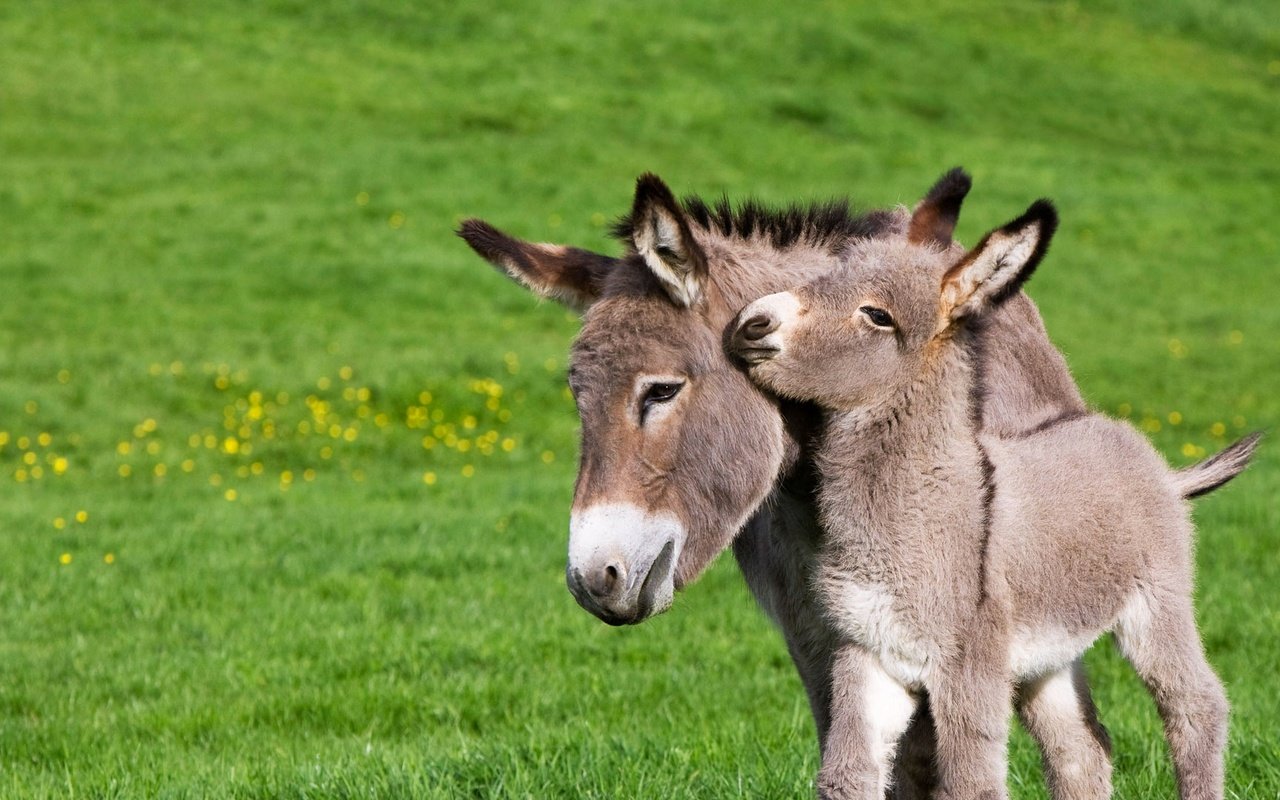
<point x="285" y="469"/>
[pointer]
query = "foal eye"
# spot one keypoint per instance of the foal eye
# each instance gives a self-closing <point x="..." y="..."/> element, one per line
<point x="878" y="316"/>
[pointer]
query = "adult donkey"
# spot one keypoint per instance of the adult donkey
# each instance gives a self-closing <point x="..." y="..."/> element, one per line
<point x="682" y="456"/>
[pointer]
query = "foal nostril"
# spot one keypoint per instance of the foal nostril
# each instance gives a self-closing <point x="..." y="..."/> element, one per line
<point x="758" y="327"/>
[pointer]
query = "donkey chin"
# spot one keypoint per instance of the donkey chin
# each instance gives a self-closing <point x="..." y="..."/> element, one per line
<point x="622" y="561"/>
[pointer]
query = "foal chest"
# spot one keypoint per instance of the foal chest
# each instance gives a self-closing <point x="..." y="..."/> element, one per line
<point x="870" y="615"/>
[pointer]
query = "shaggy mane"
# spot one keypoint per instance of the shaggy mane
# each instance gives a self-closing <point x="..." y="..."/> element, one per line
<point x="826" y="223"/>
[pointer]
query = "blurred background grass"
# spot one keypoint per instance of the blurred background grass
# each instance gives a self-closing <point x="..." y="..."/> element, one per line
<point x="285" y="469"/>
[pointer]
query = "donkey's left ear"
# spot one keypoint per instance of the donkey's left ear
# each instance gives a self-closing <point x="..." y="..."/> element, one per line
<point x="934" y="218"/>
<point x="660" y="233"/>
<point x="996" y="269"/>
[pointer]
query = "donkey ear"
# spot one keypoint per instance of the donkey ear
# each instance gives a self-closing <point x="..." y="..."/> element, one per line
<point x="572" y="276"/>
<point x="994" y="270"/>
<point x="660" y="233"/>
<point x="934" y="219"/>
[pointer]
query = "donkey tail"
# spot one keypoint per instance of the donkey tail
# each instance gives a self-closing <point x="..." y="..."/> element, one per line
<point x="1211" y="473"/>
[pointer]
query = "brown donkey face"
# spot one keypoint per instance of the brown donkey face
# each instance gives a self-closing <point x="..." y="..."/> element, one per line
<point x="678" y="447"/>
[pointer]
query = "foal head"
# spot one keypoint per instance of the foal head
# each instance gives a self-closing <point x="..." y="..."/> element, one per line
<point x="859" y="336"/>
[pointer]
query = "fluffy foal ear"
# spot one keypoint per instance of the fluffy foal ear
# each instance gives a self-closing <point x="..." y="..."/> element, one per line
<point x="994" y="270"/>
<point x="934" y="219"/>
<point x="572" y="276"/>
<point x="661" y="235"/>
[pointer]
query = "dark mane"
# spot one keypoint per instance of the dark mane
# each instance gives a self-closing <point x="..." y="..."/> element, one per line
<point x="832" y="222"/>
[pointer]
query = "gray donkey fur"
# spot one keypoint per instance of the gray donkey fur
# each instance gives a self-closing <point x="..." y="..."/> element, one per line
<point x="961" y="561"/>
<point x="683" y="457"/>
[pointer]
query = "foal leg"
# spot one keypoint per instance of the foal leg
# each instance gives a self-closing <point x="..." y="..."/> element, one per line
<point x="971" y="697"/>
<point x="869" y="713"/>
<point x="1058" y="711"/>
<point x="972" y="721"/>
<point x="1157" y="633"/>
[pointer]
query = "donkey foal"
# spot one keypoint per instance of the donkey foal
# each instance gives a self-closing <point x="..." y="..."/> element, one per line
<point x="964" y="564"/>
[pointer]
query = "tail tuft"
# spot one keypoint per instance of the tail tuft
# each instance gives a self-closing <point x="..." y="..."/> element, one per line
<point x="1211" y="473"/>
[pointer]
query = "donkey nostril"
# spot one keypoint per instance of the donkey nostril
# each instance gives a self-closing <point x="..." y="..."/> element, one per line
<point x="608" y="580"/>
<point x="758" y="327"/>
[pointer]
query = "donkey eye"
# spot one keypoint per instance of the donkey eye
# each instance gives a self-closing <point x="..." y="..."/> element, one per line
<point x="878" y="316"/>
<point x="657" y="393"/>
<point x="661" y="392"/>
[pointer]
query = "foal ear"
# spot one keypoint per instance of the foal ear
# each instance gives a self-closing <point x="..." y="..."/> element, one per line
<point x="660" y="233"/>
<point x="572" y="276"/>
<point x="996" y="269"/>
<point x="934" y="219"/>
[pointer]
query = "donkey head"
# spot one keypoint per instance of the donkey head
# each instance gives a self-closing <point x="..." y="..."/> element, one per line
<point x="860" y="335"/>
<point x="679" y="448"/>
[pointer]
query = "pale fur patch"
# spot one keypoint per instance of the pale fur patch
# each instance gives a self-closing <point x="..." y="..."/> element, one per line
<point x="630" y="537"/>
<point x="1034" y="653"/>
<point x="1133" y="626"/>
<point x="888" y="707"/>
<point x="865" y="614"/>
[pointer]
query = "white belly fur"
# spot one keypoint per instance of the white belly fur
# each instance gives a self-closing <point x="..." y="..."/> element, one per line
<point x="865" y="614"/>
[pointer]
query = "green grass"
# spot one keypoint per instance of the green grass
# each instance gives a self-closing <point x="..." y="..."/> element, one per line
<point x="203" y="202"/>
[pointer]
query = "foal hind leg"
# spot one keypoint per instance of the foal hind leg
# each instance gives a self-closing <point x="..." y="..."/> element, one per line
<point x="1058" y="711"/>
<point x="1157" y="633"/>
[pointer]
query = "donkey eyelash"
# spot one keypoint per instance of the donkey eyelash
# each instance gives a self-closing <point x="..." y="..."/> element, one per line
<point x="658" y="393"/>
<point x="878" y="316"/>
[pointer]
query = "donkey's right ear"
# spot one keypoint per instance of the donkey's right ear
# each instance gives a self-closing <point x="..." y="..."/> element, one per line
<point x="567" y="274"/>
<point x="996" y="269"/>
<point x="661" y="235"/>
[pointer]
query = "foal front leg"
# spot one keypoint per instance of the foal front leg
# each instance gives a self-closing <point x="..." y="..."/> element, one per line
<point x="971" y="699"/>
<point x="869" y="713"/>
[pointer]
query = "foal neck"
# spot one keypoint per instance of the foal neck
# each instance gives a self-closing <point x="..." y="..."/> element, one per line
<point x="932" y="422"/>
